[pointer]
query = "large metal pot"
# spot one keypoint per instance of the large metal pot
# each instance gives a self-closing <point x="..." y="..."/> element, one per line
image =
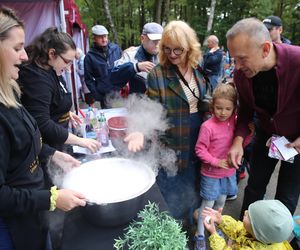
<point x="114" y="188"/>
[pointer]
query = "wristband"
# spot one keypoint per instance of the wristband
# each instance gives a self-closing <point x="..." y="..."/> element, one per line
<point x="53" y="198"/>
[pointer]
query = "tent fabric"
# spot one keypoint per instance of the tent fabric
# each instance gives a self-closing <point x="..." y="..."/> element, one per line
<point x="73" y="20"/>
<point x="37" y="16"/>
<point x="41" y="14"/>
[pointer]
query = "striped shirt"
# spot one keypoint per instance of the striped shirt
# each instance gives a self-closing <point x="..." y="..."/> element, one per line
<point x="192" y="100"/>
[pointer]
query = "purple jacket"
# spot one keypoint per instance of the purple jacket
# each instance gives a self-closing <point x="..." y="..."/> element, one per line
<point x="286" y="120"/>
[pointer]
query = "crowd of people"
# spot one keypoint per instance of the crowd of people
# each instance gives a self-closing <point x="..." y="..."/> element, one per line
<point x="261" y="90"/>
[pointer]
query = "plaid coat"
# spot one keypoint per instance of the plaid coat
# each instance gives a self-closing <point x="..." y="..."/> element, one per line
<point x="164" y="87"/>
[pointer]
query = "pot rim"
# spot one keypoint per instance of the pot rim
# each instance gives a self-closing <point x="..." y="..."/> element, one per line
<point x="117" y="129"/>
<point x="150" y="174"/>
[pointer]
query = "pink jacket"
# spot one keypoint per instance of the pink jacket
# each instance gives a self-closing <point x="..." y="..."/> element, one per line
<point x="214" y="140"/>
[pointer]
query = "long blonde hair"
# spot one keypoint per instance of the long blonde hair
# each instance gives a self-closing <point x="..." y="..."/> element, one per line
<point x="180" y="33"/>
<point x="9" y="89"/>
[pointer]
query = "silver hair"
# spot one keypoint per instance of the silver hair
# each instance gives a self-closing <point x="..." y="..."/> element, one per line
<point x="251" y="27"/>
<point x="214" y="39"/>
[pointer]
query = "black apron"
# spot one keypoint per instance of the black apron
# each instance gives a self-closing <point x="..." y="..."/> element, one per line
<point x="27" y="230"/>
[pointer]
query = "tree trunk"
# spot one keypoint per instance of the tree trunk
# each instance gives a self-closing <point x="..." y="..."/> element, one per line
<point x="158" y="10"/>
<point x="166" y="11"/>
<point x="110" y="20"/>
<point x="211" y="16"/>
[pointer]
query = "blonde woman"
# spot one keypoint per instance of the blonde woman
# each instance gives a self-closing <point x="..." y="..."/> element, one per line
<point x="23" y="197"/>
<point x="177" y="84"/>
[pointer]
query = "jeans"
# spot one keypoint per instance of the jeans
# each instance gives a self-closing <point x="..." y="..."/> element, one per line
<point x="261" y="169"/>
<point x="5" y="239"/>
<point x="214" y="80"/>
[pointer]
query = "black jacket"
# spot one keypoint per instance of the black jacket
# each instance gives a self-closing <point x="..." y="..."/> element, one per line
<point x="48" y="101"/>
<point x="22" y="193"/>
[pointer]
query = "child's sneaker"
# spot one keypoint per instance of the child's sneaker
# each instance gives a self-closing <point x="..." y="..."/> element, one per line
<point x="231" y="197"/>
<point x="199" y="242"/>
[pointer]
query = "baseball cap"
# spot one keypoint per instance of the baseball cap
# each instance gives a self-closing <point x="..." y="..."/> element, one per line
<point x="271" y="221"/>
<point x="99" y="30"/>
<point x="153" y="31"/>
<point x="272" y="21"/>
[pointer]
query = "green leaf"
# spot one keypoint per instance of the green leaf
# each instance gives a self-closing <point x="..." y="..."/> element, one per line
<point x="153" y="230"/>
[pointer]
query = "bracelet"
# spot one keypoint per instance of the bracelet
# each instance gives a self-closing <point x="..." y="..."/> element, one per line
<point x="53" y="198"/>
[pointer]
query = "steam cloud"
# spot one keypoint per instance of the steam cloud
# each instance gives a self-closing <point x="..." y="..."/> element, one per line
<point x="146" y="116"/>
<point x="149" y="117"/>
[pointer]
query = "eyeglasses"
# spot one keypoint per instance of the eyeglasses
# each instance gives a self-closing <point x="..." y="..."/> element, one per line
<point x="66" y="61"/>
<point x="176" y="51"/>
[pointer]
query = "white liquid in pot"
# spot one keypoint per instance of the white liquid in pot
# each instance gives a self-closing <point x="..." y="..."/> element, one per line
<point x="110" y="180"/>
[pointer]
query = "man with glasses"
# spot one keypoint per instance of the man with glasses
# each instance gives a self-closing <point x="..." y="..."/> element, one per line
<point x="137" y="62"/>
<point x="274" y="25"/>
<point x="98" y="63"/>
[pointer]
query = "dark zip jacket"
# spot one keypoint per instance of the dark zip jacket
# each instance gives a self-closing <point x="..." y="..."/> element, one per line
<point x="98" y="63"/>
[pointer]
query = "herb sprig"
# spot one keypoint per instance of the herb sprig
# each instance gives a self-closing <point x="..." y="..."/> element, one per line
<point x="153" y="230"/>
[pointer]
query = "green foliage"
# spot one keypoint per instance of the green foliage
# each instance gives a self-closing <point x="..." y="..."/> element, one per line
<point x="129" y="16"/>
<point x="154" y="230"/>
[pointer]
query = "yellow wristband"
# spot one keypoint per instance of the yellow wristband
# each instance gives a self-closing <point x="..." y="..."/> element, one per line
<point x="53" y="198"/>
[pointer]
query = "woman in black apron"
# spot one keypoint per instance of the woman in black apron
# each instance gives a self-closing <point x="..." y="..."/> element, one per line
<point x="23" y="196"/>
<point x="45" y="94"/>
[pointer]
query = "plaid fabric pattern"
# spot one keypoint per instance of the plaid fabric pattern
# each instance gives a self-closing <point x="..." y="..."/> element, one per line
<point x="164" y="86"/>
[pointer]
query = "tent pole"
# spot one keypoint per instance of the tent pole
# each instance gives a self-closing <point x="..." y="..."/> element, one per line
<point x="67" y="73"/>
<point x="63" y="25"/>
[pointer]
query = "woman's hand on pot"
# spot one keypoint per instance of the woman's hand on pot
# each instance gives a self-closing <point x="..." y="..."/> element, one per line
<point x="135" y="141"/>
<point x="68" y="199"/>
<point x="64" y="161"/>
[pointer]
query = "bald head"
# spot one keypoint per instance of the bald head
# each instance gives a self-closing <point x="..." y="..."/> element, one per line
<point x="252" y="28"/>
<point x="250" y="44"/>
<point x="212" y="42"/>
<point x="213" y="39"/>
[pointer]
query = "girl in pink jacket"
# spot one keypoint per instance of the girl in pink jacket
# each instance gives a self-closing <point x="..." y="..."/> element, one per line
<point x="218" y="178"/>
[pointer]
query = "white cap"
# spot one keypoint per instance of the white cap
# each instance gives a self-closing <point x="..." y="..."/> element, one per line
<point x="99" y="30"/>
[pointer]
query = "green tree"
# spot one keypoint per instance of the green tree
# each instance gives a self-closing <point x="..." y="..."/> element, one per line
<point x="125" y="18"/>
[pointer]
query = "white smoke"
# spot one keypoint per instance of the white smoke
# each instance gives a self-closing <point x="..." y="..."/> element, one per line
<point x="146" y="116"/>
<point x="149" y="117"/>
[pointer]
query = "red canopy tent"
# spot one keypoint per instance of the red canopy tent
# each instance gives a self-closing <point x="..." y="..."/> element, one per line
<point x="38" y="15"/>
